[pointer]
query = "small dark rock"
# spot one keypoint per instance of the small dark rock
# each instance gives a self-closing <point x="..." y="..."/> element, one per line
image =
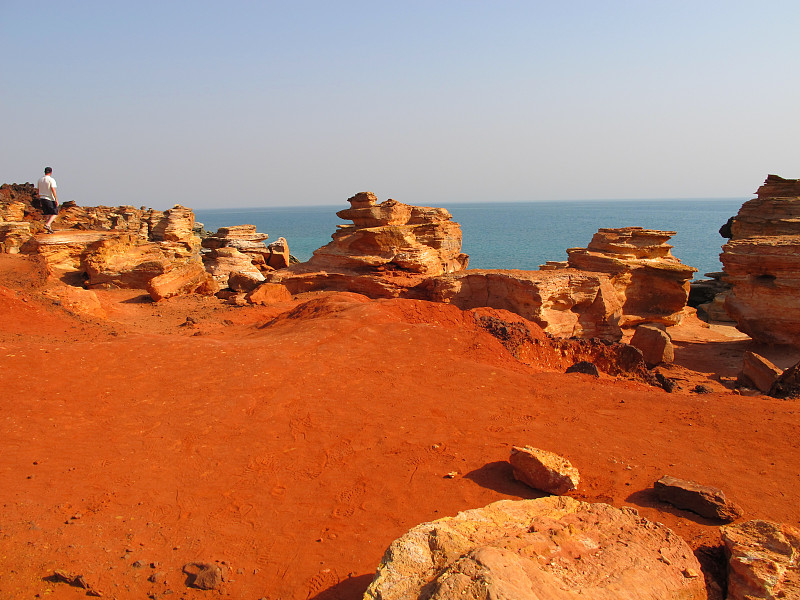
<point x="157" y="577"/>
<point x="702" y="389"/>
<point x="704" y="500"/>
<point x="585" y="367"/>
<point x="665" y="382"/>
<point x="204" y="576"/>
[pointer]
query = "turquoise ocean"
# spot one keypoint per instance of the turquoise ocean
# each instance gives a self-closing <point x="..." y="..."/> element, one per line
<point x="517" y="235"/>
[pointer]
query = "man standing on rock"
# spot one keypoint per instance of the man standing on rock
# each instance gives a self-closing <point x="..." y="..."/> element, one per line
<point x="49" y="198"/>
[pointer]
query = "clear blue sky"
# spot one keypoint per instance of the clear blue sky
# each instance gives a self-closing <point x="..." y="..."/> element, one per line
<point x="214" y="104"/>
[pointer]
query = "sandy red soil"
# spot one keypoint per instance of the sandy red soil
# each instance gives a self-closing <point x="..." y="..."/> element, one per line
<point x="292" y="454"/>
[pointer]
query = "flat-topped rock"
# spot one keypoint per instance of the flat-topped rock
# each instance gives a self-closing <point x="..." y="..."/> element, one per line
<point x="234" y="232"/>
<point x="362" y="200"/>
<point x="564" y="302"/>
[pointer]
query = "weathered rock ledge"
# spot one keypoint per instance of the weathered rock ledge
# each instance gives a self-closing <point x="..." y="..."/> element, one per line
<point x="761" y="263"/>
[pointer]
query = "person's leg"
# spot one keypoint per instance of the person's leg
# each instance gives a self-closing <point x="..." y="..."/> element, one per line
<point x="49" y="222"/>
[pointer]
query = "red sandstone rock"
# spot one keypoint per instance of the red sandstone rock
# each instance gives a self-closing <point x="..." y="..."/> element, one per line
<point x="543" y="470"/>
<point x="13" y="234"/>
<point x="425" y="249"/>
<point x="236" y="236"/>
<point x="564" y="302"/>
<point x="226" y="260"/>
<point x="123" y="261"/>
<point x="189" y="278"/>
<point x="554" y="547"/>
<point x="204" y="576"/>
<point x="386" y="213"/>
<point x="240" y="281"/>
<point x="77" y="301"/>
<point x="389" y="250"/>
<point x="758" y="372"/>
<point x="278" y="257"/>
<point x="762" y="264"/>
<point x="762" y="560"/>
<point x="655" y="344"/>
<point x="252" y="255"/>
<point x="652" y="284"/>
<point x="269" y="293"/>
<point x="64" y="250"/>
<point x="704" y="500"/>
<point x="362" y="200"/>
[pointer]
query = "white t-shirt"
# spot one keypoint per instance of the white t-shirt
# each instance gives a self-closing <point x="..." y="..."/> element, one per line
<point x="46" y="184"/>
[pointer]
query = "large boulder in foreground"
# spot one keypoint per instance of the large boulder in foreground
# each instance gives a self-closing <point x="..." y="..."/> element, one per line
<point x="762" y="560"/>
<point x="762" y="264"/>
<point x="555" y="548"/>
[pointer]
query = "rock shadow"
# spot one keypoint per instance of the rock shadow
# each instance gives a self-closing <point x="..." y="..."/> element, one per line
<point x="647" y="499"/>
<point x="140" y="299"/>
<point x="352" y="588"/>
<point x="499" y="477"/>
<point x="73" y="278"/>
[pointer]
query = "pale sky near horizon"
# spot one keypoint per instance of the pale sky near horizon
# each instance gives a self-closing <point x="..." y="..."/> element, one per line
<point x="233" y="104"/>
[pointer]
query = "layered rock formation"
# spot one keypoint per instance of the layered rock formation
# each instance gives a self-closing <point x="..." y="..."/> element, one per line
<point x="761" y="262"/>
<point x="554" y="547"/>
<point x="390" y="248"/>
<point x="16" y="202"/>
<point x="652" y="285"/>
<point x="393" y="236"/>
<point x="563" y="302"/>
<point x="625" y="277"/>
<point x="120" y="246"/>
<point x="762" y="558"/>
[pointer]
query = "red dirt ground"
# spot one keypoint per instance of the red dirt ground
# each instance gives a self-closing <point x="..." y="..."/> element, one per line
<point x="293" y="454"/>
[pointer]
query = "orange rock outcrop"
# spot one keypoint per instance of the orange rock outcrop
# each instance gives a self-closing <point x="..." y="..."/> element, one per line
<point x="564" y="302"/>
<point x="762" y="264"/>
<point x="388" y="249"/>
<point x="652" y="285"/>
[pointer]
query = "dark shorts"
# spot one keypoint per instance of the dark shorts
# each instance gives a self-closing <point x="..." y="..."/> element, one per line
<point x="49" y="207"/>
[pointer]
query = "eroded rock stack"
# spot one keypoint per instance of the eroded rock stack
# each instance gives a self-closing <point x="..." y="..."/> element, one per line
<point x="388" y="249"/>
<point x="237" y="257"/>
<point x="652" y="285"/>
<point x="761" y="262"/>
<point x="393" y="235"/>
<point x="15" y="201"/>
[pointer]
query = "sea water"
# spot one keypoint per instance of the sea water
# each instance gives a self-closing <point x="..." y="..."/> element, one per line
<point x="517" y="235"/>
